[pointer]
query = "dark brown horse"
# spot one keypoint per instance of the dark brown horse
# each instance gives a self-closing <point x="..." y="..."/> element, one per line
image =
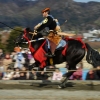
<point x="72" y="53"/>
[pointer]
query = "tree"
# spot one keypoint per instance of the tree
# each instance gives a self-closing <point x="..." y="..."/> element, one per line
<point x="13" y="34"/>
<point x="1" y="45"/>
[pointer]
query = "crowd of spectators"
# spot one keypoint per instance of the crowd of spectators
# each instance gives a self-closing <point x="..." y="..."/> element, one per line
<point x="20" y="65"/>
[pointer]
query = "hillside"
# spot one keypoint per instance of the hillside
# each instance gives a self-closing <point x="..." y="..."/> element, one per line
<point x="80" y="16"/>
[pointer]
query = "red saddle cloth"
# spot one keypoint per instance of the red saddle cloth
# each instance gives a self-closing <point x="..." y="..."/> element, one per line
<point x="78" y="39"/>
<point x="30" y="46"/>
<point x="40" y="56"/>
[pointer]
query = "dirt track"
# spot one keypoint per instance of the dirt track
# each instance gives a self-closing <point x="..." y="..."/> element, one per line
<point x="48" y="95"/>
<point x="73" y="91"/>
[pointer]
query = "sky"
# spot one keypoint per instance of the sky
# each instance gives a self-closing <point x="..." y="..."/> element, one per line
<point x="86" y="0"/>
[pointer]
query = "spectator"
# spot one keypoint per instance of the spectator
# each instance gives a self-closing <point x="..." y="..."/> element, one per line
<point x="24" y="53"/>
<point x="8" y="75"/>
<point x="98" y="72"/>
<point x="7" y="61"/>
<point x="16" y="74"/>
<point x="42" y="76"/>
<point x="78" y="74"/>
<point x="22" y="76"/>
<point x="1" y="54"/>
<point x="1" y="63"/>
<point x="57" y="75"/>
<point x="19" y="60"/>
<point x="91" y="75"/>
<point x="17" y="49"/>
<point x="31" y="60"/>
<point x="1" y="75"/>
<point x="25" y="71"/>
<point x="12" y="55"/>
<point x="1" y="68"/>
<point x="33" y="75"/>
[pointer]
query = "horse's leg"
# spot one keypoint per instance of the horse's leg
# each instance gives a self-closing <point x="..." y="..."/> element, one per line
<point x="65" y="79"/>
<point x="67" y="75"/>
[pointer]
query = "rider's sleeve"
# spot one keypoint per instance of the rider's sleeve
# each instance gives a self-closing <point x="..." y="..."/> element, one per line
<point x="45" y="23"/>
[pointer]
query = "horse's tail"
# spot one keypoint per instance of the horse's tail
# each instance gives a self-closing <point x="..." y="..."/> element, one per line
<point x="93" y="56"/>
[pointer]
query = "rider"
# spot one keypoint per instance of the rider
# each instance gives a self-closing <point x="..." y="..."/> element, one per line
<point x="54" y="31"/>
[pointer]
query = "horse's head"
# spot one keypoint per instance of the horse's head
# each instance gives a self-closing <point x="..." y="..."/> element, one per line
<point x="19" y="39"/>
<point x="24" y="36"/>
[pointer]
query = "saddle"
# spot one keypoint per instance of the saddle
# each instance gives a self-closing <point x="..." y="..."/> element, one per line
<point x="54" y="40"/>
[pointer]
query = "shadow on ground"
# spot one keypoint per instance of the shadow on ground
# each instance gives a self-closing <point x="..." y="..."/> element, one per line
<point x="69" y="86"/>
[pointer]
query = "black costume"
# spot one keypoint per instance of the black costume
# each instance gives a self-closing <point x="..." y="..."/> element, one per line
<point x="48" y="22"/>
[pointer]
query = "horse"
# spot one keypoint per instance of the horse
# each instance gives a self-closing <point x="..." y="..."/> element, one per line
<point x="72" y="53"/>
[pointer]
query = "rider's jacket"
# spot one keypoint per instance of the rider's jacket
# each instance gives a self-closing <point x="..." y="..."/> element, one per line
<point x="49" y="22"/>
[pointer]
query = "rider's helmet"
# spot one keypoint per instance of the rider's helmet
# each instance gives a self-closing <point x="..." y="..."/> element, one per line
<point x="46" y="10"/>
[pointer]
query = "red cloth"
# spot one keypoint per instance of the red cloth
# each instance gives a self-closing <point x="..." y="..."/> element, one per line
<point x="30" y="46"/>
<point x="40" y="56"/>
<point x="64" y="51"/>
<point x="78" y="39"/>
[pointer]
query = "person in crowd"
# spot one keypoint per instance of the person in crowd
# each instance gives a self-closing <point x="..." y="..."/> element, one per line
<point x="26" y="71"/>
<point x="2" y="55"/>
<point x="98" y="72"/>
<point x="22" y="76"/>
<point x="17" y="49"/>
<point x="31" y="60"/>
<point x="7" y="61"/>
<point x="24" y="53"/>
<point x="42" y="76"/>
<point x="57" y="75"/>
<point x="19" y="60"/>
<point x="92" y="75"/>
<point x="12" y="54"/>
<point x="16" y="74"/>
<point x="49" y="70"/>
<point x="78" y="74"/>
<point x="33" y="75"/>
<point x="8" y="75"/>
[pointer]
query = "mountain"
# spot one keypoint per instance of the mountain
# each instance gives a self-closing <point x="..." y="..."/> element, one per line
<point x="27" y="13"/>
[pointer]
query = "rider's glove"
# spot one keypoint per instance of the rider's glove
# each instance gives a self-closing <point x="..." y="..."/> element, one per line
<point x="35" y="32"/>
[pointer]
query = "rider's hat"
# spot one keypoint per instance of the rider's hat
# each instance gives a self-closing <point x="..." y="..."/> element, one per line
<point x="45" y="10"/>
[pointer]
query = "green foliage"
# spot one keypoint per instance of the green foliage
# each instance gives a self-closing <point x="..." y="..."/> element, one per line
<point x="97" y="22"/>
<point x="1" y="45"/>
<point x="13" y="34"/>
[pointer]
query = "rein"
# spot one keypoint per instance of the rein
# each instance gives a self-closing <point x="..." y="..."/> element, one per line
<point x="34" y="40"/>
<point x="29" y="41"/>
<point x="10" y="27"/>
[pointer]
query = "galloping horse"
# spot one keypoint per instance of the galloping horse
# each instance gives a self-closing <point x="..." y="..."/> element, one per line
<point x="72" y="53"/>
